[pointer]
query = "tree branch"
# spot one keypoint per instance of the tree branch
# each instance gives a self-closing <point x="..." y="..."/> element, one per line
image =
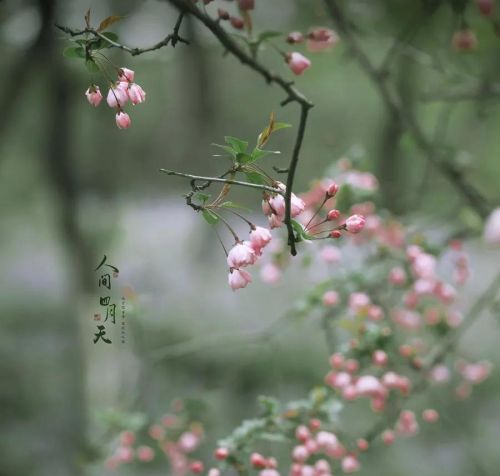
<point x="172" y="38"/>
<point x="223" y="180"/>
<point x="293" y="95"/>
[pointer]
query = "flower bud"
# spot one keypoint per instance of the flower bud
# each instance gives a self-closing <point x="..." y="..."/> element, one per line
<point x="464" y="40"/>
<point x="94" y="96"/>
<point x="125" y="74"/>
<point x="295" y="37"/>
<point x="355" y="223"/>
<point x="237" y="23"/>
<point x="297" y="62"/>
<point x="136" y="94"/>
<point x="333" y="214"/>
<point x="122" y="120"/>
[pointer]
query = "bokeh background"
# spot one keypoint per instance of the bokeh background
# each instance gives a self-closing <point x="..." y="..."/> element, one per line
<point x="74" y="187"/>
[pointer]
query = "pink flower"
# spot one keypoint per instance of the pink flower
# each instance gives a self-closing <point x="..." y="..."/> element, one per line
<point x="358" y="302"/>
<point x="145" y="453"/>
<point x="260" y="237"/>
<point x="258" y="461"/>
<point x="239" y="278"/>
<point x="124" y="454"/>
<point x="485" y="6"/>
<point x="370" y="386"/>
<point x="300" y="453"/>
<point x="240" y="255"/>
<point x="188" y="442"/>
<point x="125" y="74"/>
<point x="277" y="204"/>
<point x="270" y="273"/>
<point x="424" y="266"/>
<point x="397" y="276"/>
<point x="355" y="223"/>
<point x="275" y="221"/>
<point x="127" y="438"/>
<point x="380" y="358"/>
<point x="430" y="416"/>
<point x="136" y="94"/>
<point x="492" y="228"/>
<point x="350" y="464"/>
<point x="388" y="437"/>
<point x="221" y="453"/>
<point x="297" y="62"/>
<point x="464" y="40"/>
<point x="94" y="96"/>
<point x="156" y="432"/>
<point x="321" y="39"/>
<point x="122" y="120"/>
<point x="213" y="472"/>
<point x="330" y="298"/>
<point x="117" y="97"/>
<point x="332" y="189"/>
<point x="330" y="254"/>
<point x="297" y="205"/>
<point x="302" y="433"/>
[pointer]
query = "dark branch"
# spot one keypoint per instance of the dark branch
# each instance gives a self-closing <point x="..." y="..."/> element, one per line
<point x="172" y="38"/>
<point x="292" y="95"/>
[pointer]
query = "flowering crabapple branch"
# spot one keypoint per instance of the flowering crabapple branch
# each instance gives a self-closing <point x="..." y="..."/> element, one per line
<point x="172" y="38"/>
<point x="293" y="95"/>
<point x="404" y="115"/>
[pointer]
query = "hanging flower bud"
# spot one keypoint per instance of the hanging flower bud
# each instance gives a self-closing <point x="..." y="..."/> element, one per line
<point x="295" y="37"/>
<point x="464" y="40"/>
<point x="125" y="74"/>
<point x="117" y="97"/>
<point x="94" y="96"/>
<point x="122" y="120"/>
<point x="136" y="94"/>
<point x="237" y="23"/>
<point x="297" y="62"/>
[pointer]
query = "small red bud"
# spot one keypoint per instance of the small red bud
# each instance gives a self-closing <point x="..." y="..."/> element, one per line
<point x="335" y="234"/>
<point x="237" y="23"/>
<point x="332" y="190"/>
<point x="464" y="40"/>
<point x="333" y="214"/>
<point x="221" y="453"/>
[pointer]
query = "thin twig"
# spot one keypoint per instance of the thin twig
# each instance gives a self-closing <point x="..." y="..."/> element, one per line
<point x="172" y="38"/>
<point x="222" y="180"/>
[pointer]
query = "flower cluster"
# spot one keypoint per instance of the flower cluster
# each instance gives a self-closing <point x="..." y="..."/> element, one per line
<point x="173" y="436"/>
<point x="120" y="93"/>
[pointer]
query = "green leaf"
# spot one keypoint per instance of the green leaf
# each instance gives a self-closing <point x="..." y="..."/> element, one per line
<point x="281" y="125"/>
<point x="233" y="205"/>
<point x="255" y="177"/>
<point x="74" y="52"/>
<point x="210" y="217"/>
<point x="91" y="66"/>
<point x="266" y="35"/>
<point x="202" y="197"/>
<point x="244" y="158"/>
<point x="228" y="149"/>
<point x="259" y="153"/>
<point x="238" y="145"/>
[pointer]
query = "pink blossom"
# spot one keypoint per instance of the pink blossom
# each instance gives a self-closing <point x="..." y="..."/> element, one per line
<point x="221" y="453"/>
<point x="424" y="266"/>
<point x="270" y="273"/>
<point x="397" y="276"/>
<point x="430" y="416"/>
<point x="330" y="298"/>
<point x="355" y="223"/>
<point x="326" y="439"/>
<point x="122" y="120"/>
<point x="297" y="205"/>
<point x="322" y="466"/>
<point x="239" y="278"/>
<point x="321" y="39"/>
<point x="440" y="374"/>
<point x="375" y="313"/>
<point x="298" y="62"/>
<point x="330" y="254"/>
<point x="188" y="442"/>
<point x="492" y="228"/>
<point x="380" y="358"/>
<point x="125" y="74"/>
<point x="117" y="97"/>
<point x="127" y="438"/>
<point x="275" y="221"/>
<point x="124" y="454"/>
<point x="350" y="464"/>
<point x="485" y="6"/>
<point x="476" y="373"/>
<point x="302" y="433"/>
<point x="277" y="204"/>
<point x="336" y="360"/>
<point x="300" y="453"/>
<point x="213" y="472"/>
<point x="370" y="386"/>
<point x="332" y="189"/>
<point x="240" y="255"/>
<point x="156" y="432"/>
<point x="358" y="302"/>
<point x="258" y="461"/>
<point x="362" y="444"/>
<point x="145" y="453"/>
<point x="407" y="424"/>
<point x="260" y="237"/>
<point x="136" y="94"/>
<point x="388" y="437"/>
<point x="94" y="96"/>
<point x="196" y="467"/>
